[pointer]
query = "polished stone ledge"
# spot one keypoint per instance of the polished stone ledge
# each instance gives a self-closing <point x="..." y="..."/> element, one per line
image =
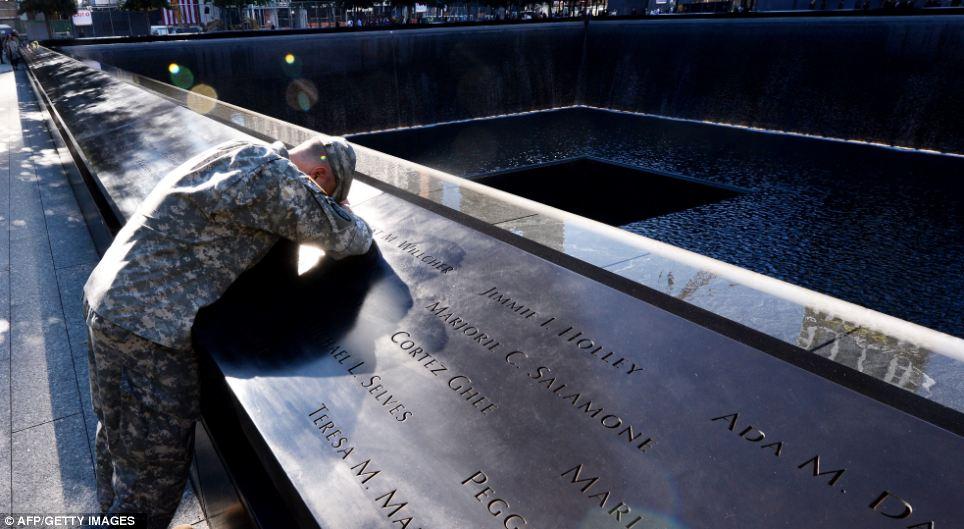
<point x="917" y="359"/>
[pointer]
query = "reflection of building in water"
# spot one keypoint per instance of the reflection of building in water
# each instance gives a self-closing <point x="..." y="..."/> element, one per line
<point x="873" y="353"/>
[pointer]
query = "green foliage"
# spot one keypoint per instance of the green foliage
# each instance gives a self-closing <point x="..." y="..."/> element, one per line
<point x="50" y="8"/>
<point x="144" y="5"/>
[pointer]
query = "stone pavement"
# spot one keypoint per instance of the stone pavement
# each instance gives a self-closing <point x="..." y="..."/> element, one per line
<point x="46" y="422"/>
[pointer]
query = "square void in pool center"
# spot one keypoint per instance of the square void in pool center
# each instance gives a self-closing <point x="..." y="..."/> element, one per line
<point x="612" y="193"/>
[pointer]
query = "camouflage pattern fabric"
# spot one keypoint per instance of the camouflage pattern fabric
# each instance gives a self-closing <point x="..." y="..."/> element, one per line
<point x="199" y="229"/>
<point x="202" y="226"/>
<point x="146" y="400"/>
<point x="341" y="158"/>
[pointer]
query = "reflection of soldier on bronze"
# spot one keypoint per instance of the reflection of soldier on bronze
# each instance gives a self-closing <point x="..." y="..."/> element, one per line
<point x="873" y="353"/>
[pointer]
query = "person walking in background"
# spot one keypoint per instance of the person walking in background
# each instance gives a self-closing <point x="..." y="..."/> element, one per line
<point x="12" y="48"/>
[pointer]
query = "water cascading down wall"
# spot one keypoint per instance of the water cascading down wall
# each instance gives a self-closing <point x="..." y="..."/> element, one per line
<point x="887" y="80"/>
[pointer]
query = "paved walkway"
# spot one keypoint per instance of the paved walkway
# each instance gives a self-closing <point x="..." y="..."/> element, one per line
<point x="46" y="254"/>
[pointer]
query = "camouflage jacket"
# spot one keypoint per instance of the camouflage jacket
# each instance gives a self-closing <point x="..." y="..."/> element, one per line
<point x="202" y="226"/>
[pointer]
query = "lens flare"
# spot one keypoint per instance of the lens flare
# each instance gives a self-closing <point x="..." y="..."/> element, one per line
<point x="202" y="98"/>
<point x="304" y="102"/>
<point x="301" y="94"/>
<point x="183" y="78"/>
<point x="291" y="65"/>
<point x="173" y="68"/>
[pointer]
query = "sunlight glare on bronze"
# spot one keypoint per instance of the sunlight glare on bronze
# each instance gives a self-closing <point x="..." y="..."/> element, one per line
<point x="202" y="98"/>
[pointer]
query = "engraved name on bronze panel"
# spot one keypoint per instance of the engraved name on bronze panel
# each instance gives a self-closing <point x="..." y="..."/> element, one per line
<point x="512" y="392"/>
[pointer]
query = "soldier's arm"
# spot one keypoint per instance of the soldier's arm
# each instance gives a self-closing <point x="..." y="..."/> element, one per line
<point x="280" y="199"/>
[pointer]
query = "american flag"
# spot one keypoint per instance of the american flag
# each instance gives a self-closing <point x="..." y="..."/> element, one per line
<point x="182" y="12"/>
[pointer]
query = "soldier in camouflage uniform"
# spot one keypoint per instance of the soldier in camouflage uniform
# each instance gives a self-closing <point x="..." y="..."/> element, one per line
<point x="199" y="229"/>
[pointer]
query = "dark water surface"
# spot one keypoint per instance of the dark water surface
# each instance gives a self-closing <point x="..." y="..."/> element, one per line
<point x="878" y="227"/>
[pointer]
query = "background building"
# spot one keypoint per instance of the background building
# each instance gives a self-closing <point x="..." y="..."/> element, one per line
<point x="8" y="14"/>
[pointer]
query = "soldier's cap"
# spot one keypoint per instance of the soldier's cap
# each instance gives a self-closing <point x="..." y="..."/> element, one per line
<point x="341" y="158"/>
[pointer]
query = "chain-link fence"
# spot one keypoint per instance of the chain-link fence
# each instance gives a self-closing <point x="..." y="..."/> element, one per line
<point x="298" y="15"/>
<point x="108" y="21"/>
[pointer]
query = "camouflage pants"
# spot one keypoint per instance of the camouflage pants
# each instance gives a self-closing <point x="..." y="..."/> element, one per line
<point x="146" y="400"/>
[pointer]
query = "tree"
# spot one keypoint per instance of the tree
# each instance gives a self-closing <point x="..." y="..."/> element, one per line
<point x="51" y="9"/>
<point x="144" y="5"/>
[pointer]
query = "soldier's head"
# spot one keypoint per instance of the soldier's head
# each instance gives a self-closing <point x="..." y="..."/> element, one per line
<point x="329" y="162"/>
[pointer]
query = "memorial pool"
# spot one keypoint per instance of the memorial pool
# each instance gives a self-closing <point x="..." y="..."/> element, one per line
<point x="875" y="226"/>
<point x="274" y="381"/>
